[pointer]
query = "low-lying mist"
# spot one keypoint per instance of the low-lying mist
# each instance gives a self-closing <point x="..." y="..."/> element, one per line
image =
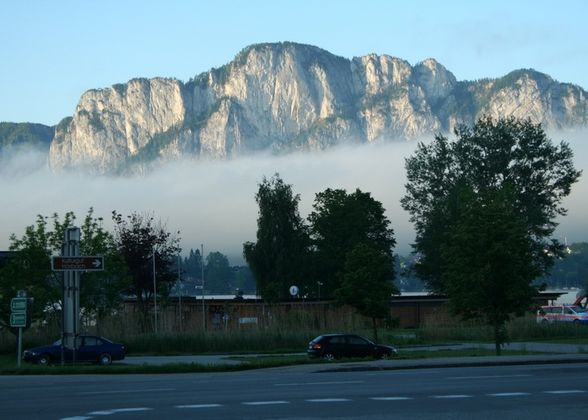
<point x="212" y="202"/>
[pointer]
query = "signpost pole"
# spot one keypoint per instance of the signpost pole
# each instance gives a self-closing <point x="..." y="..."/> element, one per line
<point x="19" y="351"/>
<point x="18" y="319"/>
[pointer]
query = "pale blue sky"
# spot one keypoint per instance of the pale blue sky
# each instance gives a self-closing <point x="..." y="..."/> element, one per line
<point x="53" y="51"/>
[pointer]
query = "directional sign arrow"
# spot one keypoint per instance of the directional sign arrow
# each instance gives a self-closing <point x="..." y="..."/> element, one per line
<point x="81" y="263"/>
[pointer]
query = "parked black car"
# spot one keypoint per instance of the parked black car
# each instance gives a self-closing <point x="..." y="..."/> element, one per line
<point x="90" y="348"/>
<point x="332" y="346"/>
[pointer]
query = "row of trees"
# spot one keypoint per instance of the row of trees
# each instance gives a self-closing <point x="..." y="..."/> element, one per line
<point x="220" y="277"/>
<point x="484" y="207"/>
<point x="137" y="245"/>
<point x="128" y="253"/>
<point x="342" y="251"/>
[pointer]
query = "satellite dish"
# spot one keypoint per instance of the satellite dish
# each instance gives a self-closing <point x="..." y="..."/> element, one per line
<point x="293" y="290"/>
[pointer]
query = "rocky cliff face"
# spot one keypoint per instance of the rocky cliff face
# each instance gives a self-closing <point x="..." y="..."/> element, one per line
<point x="283" y="97"/>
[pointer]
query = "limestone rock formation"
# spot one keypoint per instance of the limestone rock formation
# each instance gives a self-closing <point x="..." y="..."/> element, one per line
<point x="282" y="97"/>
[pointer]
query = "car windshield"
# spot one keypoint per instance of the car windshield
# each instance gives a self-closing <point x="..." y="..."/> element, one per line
<point x="580" y="310"/>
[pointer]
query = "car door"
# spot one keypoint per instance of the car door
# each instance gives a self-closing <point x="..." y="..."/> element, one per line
<point x="337" y="346"/>
<point x="89" y="349"/>
<point x="359" y="347"/>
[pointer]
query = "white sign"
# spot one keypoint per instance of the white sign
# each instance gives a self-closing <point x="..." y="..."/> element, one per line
<point x="294" y="290"/>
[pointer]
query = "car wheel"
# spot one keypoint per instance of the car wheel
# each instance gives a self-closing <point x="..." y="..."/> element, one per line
<point x="329" y="357"/>
<point x="576" y="321"/>
<point x="105" y="359"/>
<point x="44" y="360"/>
<point x="544" y="321"/>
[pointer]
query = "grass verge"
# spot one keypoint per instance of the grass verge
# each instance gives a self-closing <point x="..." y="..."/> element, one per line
<point x="8" y="366"/>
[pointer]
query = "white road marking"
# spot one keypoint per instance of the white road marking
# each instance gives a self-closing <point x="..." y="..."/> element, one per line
<point x="488" y="376"/>
<point x="327" y="400"/>
<point x="391" y="398"/>
<point x="508" y="394"/>
<point x="320" y="383"/>
<point x="125" y="391"/>
<point x="265" y="402"/>
<point x="76" y="418"/>
<point x="118" y="410"/>
<point x="199" y="406"/>
<point x="451" y="396"/>
<point x="565" y="391"/>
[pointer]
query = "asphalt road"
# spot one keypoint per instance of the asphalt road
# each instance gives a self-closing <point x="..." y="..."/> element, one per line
<point x="536" y="391"/>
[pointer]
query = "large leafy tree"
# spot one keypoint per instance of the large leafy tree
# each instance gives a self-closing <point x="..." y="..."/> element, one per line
<point x="487" y="157"/>
<point x="141" y="241"/>
<point x="487" y="262"/>
<point x="367" y="283"/>
<point x="338" y="223"/>
<point x="278" y="258"/>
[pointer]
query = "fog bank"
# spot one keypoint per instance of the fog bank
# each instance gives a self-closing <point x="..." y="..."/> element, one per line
<point x="212" y="203"/>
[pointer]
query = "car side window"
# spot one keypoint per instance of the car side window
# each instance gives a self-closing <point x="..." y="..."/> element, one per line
<point x="90" y="341"/>
<point x="568" y="311"/>
<point x="357" y="340"/>
<point x="337" y="340"/>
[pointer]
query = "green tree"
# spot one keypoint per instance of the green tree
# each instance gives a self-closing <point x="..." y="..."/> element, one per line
<point x="487" y="157"/>
<point x="29" y="268"/>
<point x="218" y="274"/>
<point x="367" y="283"/>
<point x="338" y="223"/>
<point x="141" y="241"/>
<point x="101" y="291"/>
<point x="488" y="265"/>
<point x="278" y="258"/>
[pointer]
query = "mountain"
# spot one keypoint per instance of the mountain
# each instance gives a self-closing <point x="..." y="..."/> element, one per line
<point x="16" y="136"/>
<point x="281" y="97"/>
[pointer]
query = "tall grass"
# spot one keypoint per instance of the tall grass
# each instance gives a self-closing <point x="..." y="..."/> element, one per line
<point x="520" y="329"/>
<point x="289" y="332"/>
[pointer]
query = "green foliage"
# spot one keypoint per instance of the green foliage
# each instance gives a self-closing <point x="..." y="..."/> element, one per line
<point x="366" y="283"/>
<point x="279" y="257"/>
<point x="484" y="207"/>
<point x="100" y="293"/>
<point x="218" y="274"/>
<point x="25" y="135"/>
<point x="338" y="223"/>
<point x="192" y="265"/>
<point x="487" y="262"/>
<point x="486" y="157"/>
<point x="143" y="244"/>
<point x="29" y="268"/>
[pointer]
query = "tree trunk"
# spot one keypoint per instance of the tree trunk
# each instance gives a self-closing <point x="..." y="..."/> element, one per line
<point x="375" y="326"/>
<point x="498" y="338"/>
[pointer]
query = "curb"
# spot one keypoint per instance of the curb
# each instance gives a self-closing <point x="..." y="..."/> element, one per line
<point x="466" y="362"/>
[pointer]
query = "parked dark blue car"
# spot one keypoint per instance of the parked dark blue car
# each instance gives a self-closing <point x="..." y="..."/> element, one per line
<point x="90" y="349"/>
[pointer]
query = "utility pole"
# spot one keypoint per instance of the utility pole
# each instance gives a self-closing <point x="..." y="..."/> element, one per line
<point x="181" y="291"/>
<point x="154" y="292"/>
<point x="203" y="309"/>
